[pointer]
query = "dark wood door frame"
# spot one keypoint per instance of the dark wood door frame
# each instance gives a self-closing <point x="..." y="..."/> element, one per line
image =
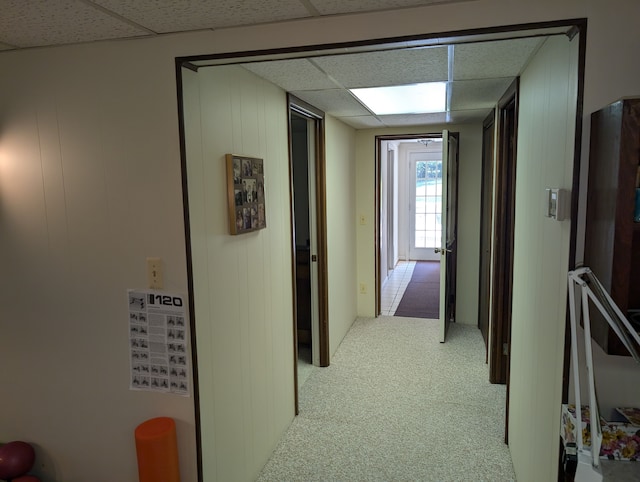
<point x="502" y="278"/>
<point x="378" y="207"/>
<point x="579" y="25"/>
<point x="486" y="218"/>
<point x="301" y="108"/>
<point x="502" y="284"/>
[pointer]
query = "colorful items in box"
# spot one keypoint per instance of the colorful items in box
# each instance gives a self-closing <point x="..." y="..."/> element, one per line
<point x="620" y="440"/>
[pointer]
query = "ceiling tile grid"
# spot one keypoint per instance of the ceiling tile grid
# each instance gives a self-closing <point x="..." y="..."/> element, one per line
<point x="323" y="81"/>
<point x="163" y="16"/>
<point x="294" y="74"/>
<point x="485" y="60"/>
<point x="39" y="22"/>
<point x="477" y="94"/>
<point x="403" y="120"/>
<point x="390" y="67"/>
<point x="468" y="116"/>
<point x="336" y="102"/>
<point x="334" y="7"/>
<point x="363" y="122"/>
<point x="481" y="71"/>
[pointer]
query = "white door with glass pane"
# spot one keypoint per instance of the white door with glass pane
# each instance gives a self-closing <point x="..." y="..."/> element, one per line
<point x="425" y="202"/>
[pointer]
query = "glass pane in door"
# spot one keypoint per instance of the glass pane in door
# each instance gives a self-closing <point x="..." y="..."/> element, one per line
<point x="428" y="204"/>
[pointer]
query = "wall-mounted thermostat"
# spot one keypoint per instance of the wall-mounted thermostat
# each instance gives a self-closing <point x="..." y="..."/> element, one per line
<point x="556" y="203"/>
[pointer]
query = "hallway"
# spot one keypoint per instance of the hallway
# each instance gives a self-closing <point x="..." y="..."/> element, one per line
<point x="395" y="404"/>
<point x="394" y="287"/>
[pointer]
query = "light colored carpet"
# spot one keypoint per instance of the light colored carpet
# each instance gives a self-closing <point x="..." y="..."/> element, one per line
<point x="397" y="405"/>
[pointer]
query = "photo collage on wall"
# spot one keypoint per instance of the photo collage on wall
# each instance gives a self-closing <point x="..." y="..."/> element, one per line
<point x="245" y="185"/>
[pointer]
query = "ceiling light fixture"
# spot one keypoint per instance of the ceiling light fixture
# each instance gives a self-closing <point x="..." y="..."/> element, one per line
<point x="404" y="99"/>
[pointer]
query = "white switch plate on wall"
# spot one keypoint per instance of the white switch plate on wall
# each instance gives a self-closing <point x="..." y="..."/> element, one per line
<point x="556" y="203"/>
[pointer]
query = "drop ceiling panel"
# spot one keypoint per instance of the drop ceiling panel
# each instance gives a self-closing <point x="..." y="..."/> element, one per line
<point x="171" y="16"/>
<point x="468" y="116"/>
<point x="336" y="102"/>
<point x="36" y="23"/>
<point x="481" y="69"/>
<point x="398" y="67"/>
<point x="296" y="74"/>
<point x="505" y="58"/>
<point x="477" y="94"/>
<point x="362" y="122"/>
<point x="332" y="7"/>
<point x="402" y="120"/>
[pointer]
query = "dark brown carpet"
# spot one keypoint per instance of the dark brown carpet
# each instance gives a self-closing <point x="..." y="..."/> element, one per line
<point x="421" y="299"/>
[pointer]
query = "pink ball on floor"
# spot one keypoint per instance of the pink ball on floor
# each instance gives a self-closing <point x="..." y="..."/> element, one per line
<point x="16" y="458"/>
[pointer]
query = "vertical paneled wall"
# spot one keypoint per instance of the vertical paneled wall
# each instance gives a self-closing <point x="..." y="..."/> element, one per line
<point x="468" y="236"/>
<point x="546" y="126"/>
<point x="89" y="187"/>
<point x="341" y="229"/>
<point x="242" y="283"/>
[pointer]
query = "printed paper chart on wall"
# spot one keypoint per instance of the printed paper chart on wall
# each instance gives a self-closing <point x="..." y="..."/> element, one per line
<point x="159" y="342"/>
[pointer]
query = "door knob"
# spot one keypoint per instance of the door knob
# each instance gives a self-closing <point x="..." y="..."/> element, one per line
<point x="441" y="250"/>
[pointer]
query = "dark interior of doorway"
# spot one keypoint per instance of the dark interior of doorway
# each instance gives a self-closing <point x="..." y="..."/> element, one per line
<point x="502" y="293"/>
<point x="504" y="233"/>
<point x="308" y="238"/>
<point x="300" y="175"/>
<point x="486" y="204"/>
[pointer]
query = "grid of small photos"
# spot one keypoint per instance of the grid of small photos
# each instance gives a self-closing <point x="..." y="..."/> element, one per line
<point x="245" y="187"/>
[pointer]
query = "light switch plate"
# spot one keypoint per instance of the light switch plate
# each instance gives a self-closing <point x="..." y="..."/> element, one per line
<point x="556" y="203"/>
<point x="154" y="273"/>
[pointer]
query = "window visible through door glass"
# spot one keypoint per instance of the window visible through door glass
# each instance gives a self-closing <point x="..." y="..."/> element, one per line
<point x="428" y="204"/>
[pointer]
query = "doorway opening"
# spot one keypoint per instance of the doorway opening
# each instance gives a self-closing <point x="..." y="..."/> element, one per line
<point x="194" y="256"/>
<point x="410" y="191"/>
<point x="304" y="201"/>
<point x="306" y="165"/>
<point x="417" y="212"/>
<point x="502" y="291"/>
<point x="501" y="294"/>
<point x="486" y="217"/>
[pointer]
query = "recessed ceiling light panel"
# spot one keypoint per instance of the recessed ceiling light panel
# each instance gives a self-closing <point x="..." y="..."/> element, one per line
<point x="404" y="99"/>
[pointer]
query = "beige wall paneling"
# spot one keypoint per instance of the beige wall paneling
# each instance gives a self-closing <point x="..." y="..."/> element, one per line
<point x="470" y="184"/>
<point x="548" y="90"/>
<point x="243" y="303"/>
<point x="197" y="217"/>
<point x="139" y="149"/>
<point x="365" y="207"/>
<point x="341" y="229"/>
<point x="90" y="187"/>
